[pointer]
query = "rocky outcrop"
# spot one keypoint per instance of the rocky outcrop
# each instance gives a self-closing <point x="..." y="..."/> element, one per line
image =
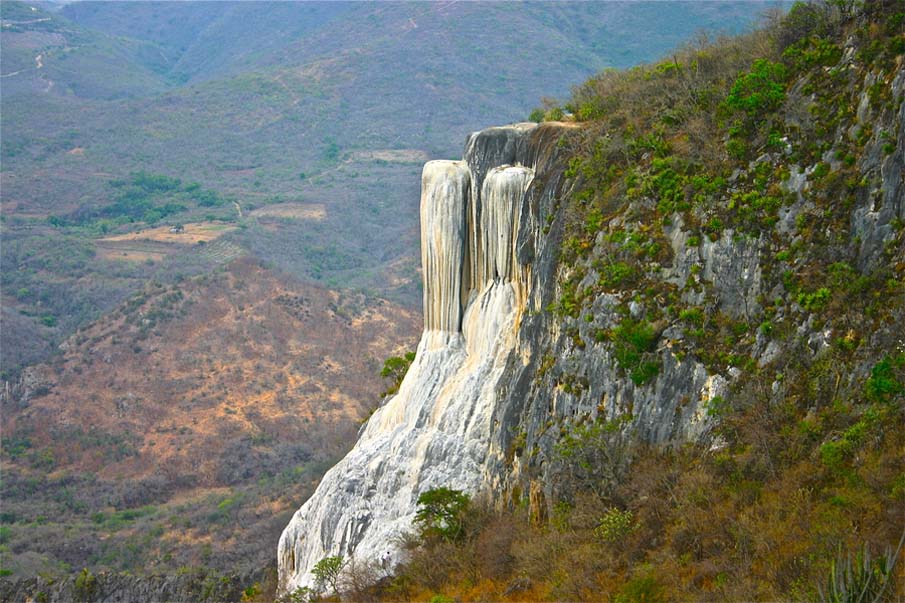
<point x="435" y="430"/>
<point x="499" y="377"/>
<point x="489" y="269"/>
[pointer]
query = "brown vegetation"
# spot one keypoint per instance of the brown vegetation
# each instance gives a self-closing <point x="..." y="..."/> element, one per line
<point x="189" y="394"/>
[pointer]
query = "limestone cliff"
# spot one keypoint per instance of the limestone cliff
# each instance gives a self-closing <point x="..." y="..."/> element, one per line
<point x="489" y="272"/>
<point x="435" y="431"/>
<point x="656" y="314"/>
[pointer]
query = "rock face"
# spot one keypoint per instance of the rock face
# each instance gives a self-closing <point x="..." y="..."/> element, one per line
<point x="490" y="267"/>
<point x="498" y="377"/>
<point x="435" y="431"/>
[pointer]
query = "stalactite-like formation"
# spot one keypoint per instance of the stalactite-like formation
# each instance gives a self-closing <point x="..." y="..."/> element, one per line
<point x="502" y="193"/>
<point x="445" y="187"/>
<point x="459" y="259"/>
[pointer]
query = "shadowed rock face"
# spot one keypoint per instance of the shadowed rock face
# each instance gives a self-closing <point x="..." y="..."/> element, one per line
<point x="437" y="430"/>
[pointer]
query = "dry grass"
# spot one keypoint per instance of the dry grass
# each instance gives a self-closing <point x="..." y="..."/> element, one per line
<point x="155" y="244"/>
<point x="392" y="155"/>
<point x="191" y="234"/>
<point x="231" y="359"/>
<point x="298" y="211"/>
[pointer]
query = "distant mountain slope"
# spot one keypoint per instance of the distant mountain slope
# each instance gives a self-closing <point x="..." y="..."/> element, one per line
<point x="328" y="104"/>
<point x="45" y="53"/>
<point x="203" y="40"/>
<point x="234" y="387"/>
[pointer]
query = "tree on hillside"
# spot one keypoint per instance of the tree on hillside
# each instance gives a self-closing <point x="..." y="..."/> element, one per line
<point x="441" y="513"/>
<point x="327" y="571"/>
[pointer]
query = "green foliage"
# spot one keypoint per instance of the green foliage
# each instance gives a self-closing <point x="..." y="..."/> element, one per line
<point x="718" y="406"/>
<point x="642" y="588"/>
<point x="303" y="594"/>
<point x="569" y="303"/>
<point x="554" y="114"/>
<point x="441" y="514"/>
<point x="16" y="445"/>
<point x="820" y="170"/>
<point x="119" y="519"/>
<point x="760" y="90"/>
<point x="594" y="455"/>
<point x="332" y="151"/>
<point x="693" y="316"/>
<point x="394" y="369"/>
<point x="884" y="385"/>
<point x="618" y="275"/>
<point x="593" y="222"/>
<point x="852" y="580"/>
<point x="755" y="211"/>
<point x="814" y="301"/>
<point x="615" y="525"/>
<point x="836" y="453"/>
<point x="633" y="343"/>
<point x="327" y="572"/>
<point x="812" y="52"/>
<point x="151" y="197"/>
<point x="85" y="586"/>
<point x="666" y="185"/>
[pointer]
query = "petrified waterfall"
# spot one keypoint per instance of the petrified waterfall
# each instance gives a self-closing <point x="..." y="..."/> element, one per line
<point x="436" y="430"/>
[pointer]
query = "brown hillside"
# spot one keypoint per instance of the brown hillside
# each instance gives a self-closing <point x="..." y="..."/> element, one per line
<point x="198" y="387"/>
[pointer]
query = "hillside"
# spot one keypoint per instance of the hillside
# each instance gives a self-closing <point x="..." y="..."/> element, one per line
<point x="45" y="53"/>
<point x="663" y="355"/>
<point x="331" y="104"/>
<point x="182" y="427"/>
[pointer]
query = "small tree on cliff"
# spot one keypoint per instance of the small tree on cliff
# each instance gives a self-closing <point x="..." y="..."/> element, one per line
<point x="327" y="571"/>
<point x="395" y="368"/>
<point x="441" y="514"/>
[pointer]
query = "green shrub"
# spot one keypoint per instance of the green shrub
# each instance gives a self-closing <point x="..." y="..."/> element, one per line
<point x="755" y="211"/>
<point x="883" y="384"/>
<point x="812" y="52"/>
<point x="554" y="114"/>
<point x="814" y="301"/>
<point x="441" y="514"/>
<point x="327" y="571"/>
<point x="718" y="406"/>
<point x="395" y="369"/>
<point x="303" y="594"/>
<point x="614" y="525"/>
<point x="861" y="578"/>
<point x="617" y="274"/>
<point x="694" y="316"/>
<point x="595" y="455"/>
<point x="85" y="586"/>
<point x="760" y="90"/>
<point x="632" y="341"/>
<point x="642" y="588"/>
